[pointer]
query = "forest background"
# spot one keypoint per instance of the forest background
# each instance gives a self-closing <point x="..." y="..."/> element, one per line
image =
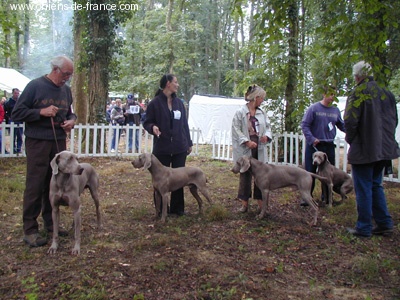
<point x="292" y="48"/>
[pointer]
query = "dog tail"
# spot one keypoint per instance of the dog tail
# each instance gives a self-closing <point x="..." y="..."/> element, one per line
<point x="323" y="179"/>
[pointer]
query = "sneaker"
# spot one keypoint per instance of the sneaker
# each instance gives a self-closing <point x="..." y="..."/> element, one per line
<point x="34" y="240"/>
<point x="356" y="233"/>
<point x="112" y="150"/>
<point x="378" y="230"/>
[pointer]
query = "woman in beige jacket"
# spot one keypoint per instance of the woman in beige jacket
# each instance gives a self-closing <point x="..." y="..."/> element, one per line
<point x="250" y="133"/>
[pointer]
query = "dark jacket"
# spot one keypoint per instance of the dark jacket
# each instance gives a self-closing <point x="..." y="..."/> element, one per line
<point x="41" y="93"/>
<point x="370" y="121"/>
<point x="175" y="135"/>
<point x="132" y="119"/>
<point x="8" y="108"/>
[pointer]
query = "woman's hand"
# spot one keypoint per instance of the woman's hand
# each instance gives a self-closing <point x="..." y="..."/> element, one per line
<point x="156" y="131"/>
<point x="264" y="139"/>
<point x="251" y="145"/>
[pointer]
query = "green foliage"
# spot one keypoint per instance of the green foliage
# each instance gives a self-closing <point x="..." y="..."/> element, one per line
<point x="291" y="48"/>
<point x="31" y="287"/>
<point x="217" y="213"/>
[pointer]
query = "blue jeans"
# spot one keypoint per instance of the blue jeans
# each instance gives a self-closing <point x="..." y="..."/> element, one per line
<point x="114" y="140"/>
<point x="17" y="141"/>
<point x="370" y="197"/>
<point x="130" y="134"/>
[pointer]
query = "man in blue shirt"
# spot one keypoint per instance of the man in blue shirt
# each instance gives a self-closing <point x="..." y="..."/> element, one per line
<point x="319" y="128"/>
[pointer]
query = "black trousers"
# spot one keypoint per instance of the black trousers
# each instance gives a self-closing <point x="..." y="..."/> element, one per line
<point x="177" y="204"/>
<point x="39" y="154"/>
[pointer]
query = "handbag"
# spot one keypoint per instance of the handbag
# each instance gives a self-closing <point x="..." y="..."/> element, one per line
<point x="121" y="121"/>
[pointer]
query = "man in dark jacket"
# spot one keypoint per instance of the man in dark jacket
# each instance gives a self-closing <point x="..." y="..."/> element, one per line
<point x="18" y="132"/>
<point x="45" y="107"/>
<point x="132" y="114"/>
<point x="370" y="121"/>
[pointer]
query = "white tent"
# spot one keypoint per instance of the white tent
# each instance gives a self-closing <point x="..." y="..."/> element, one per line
<point x="10" y="78"/>
<point x="211" y="113"/>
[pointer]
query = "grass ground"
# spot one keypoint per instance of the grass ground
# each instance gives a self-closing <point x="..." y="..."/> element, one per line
<point x="218" y="255"/>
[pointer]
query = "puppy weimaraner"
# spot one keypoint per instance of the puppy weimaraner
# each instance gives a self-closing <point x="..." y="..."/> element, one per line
<point x="166" y="180"/>
<point x="271" y="177"/>
<point x="68" y="181"/>
<point x="338" y="181"/>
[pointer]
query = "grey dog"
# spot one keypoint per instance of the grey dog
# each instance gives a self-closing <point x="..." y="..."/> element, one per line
<point x="270" y="177"/>
<point x="166" y="180"/>
<point x="68" y="181"/>
<point x="338" y="181"/>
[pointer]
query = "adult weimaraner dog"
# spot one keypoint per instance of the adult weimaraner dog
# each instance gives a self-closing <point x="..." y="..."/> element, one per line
<point x="271" y="177"/>
<point x="68" y="181"/>
<point x="166" y="180"/>
<point x="338" y="181"/>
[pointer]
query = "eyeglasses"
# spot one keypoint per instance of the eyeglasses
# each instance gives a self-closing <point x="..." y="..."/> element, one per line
<point x="64" y="74"/>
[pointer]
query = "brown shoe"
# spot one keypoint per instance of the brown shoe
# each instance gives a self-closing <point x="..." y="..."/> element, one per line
<point x="244" y="209"/>
<point x="34" y="240"/>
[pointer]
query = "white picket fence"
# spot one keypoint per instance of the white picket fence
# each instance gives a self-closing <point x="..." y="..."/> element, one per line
<point x="95" y="141"/>
<point x="288" y="148"/>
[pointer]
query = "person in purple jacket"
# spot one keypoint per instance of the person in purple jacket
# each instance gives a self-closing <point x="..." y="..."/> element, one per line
<point x="319" y="128"/>
<point x="166" y="120"/>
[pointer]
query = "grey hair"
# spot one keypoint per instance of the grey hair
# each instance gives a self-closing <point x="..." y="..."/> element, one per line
<point x="362" y="69"/>
<point x="59" y="61"/>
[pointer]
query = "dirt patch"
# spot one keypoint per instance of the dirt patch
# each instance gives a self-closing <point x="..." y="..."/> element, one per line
<point x="219" y="255"/>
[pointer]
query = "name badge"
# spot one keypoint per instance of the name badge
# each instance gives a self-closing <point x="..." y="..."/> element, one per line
<point x="177" y="115"/>
<point x="330" y="126"/>
<point x="134" y="109"/>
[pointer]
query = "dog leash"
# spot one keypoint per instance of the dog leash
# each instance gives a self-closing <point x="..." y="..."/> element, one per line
<point x="54" y="132"/>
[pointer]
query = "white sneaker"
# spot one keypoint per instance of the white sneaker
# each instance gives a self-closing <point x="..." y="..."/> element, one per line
<point x="112" y="150"/>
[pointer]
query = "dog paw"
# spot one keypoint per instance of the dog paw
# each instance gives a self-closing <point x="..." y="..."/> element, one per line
<point x="76" y="251"/>
<point x="52" y="250"/>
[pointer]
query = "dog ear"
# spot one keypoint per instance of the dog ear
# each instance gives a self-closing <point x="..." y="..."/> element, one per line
<point x="245" y="164"/>
<point x="326" y="158"/>
<point x="54" y="164"/>
<point x="147" y="162"/>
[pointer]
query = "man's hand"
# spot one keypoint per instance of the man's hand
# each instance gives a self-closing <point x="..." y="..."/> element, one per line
<point x="67" y="125"/>
<point x="50" y="111"/>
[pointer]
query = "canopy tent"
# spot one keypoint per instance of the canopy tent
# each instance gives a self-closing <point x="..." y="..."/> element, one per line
<point x="10" y="78"/>
<point x="211" y="113"/>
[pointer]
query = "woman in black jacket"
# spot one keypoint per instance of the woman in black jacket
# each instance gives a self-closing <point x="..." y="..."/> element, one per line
<point x="166" y="120"/>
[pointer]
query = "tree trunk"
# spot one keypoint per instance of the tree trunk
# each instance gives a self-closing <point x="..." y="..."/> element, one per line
<point x="26" y="36"/>
<point x="169" y="31"/>
<point x="98" y="68"/>
<point x="79" y="78"/>
<point x="293" y="14"/>
<point x="237" y="53"/>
